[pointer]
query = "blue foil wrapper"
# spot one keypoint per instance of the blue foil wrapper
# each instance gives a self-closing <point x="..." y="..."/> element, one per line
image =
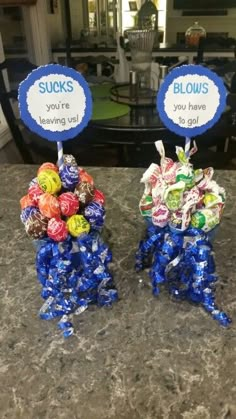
<point x="95" y="214"/>
<point x="27" y="212"/>
<point x="33" y="182"/>
<point x="73" y="274"/>
<point x="185" y="263"/>
<point x="69" y="177"/>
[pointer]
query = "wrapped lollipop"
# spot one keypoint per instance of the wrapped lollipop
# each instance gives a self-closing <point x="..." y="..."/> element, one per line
<point x="62" y="211"/>
<point x="180" y="227"/>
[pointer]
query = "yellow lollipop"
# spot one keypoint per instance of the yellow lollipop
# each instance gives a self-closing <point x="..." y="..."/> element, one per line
<point x="77" y="225"/>
<point x="49" y="181"/>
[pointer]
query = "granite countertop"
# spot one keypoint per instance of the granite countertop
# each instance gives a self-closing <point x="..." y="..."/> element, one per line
<point x="145" y="358"/>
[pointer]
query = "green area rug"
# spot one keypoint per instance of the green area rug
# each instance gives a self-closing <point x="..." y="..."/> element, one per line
<point x="106" y="109"/>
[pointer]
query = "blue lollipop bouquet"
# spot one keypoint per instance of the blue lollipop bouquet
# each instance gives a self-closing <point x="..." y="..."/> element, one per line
<point x="64" y="213"/>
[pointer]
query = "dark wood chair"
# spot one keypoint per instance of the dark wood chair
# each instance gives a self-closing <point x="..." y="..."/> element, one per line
<point x="31" y="147"/>
<point x="214" y="43"/>
<point x="216" y="147"/>
<point x="6" y="99"/>
<point x="223" y="132"/>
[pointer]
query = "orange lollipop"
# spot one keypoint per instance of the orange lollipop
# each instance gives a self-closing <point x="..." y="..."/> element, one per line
<point x="26" y="201"/>
<point x="49" y="205"/>
<point x="85" y="176"/>
<point x="48" y="165"/>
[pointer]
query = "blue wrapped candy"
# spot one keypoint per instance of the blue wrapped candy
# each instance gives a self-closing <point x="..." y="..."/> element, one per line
<point x="27" y="212"/>
<point x="95" y="214"/>
<point x="33" y="182"/>
<point x="185" y="263"/>
<point x="73" y="275"/>
<point x="69" y="177"/>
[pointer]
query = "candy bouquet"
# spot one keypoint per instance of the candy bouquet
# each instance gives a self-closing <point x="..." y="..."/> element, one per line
<point x="64" y="213"/>
<point x="183" y="208"/>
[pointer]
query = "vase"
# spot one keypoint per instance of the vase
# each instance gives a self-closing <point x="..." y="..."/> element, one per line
<point x="141" y="44"/>
<point x="193" y="35"/>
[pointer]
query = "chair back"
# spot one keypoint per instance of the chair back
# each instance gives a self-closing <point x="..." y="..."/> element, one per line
<point x="215" y="43"/>
<point x="6" y="100"/>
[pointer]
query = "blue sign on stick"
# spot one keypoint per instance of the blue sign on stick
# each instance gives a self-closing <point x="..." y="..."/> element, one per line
<point x="55" y="102"/>
<point x="191" y="100"/>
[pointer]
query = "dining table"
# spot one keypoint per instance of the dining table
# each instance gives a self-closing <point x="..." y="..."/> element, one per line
<point x="133" y="130"/>
<point x="146" y="357"/>
<point x="113" y="116"/>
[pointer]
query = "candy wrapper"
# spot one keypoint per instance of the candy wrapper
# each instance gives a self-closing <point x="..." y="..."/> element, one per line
<point x="64" y="213"/>
<point x="183" y="209"/>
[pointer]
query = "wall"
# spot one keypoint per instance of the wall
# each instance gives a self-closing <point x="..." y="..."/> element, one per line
<point x="76" y="18"/>
<point x="12" y="27"/>
<point x="177" y="23"/>
<point x="56" y="22"/>
<point x="55" y="25"/>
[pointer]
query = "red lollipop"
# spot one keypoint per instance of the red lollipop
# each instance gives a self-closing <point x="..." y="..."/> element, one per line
<point x="69" y="203"/>
<point x="99" y="197"/>
<point x="34" y="193"/>
<point x="57" y="229"/>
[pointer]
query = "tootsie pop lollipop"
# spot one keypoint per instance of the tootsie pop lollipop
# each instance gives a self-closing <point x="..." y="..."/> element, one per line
<point x="57" y="229"/>
<point x="85" y="192"/>
<point x="49" y="205"/>
<point x="69" y="203"/>
<point x="49" y="181"/>
<point x="36" y="225"/>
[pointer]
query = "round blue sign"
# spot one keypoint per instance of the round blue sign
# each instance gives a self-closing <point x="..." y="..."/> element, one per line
<point x="191" y="100"/>
<point x="55" y="102"/>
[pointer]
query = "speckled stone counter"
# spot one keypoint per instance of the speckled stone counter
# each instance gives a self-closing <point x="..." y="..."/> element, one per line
<point x="145" y="358"/>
